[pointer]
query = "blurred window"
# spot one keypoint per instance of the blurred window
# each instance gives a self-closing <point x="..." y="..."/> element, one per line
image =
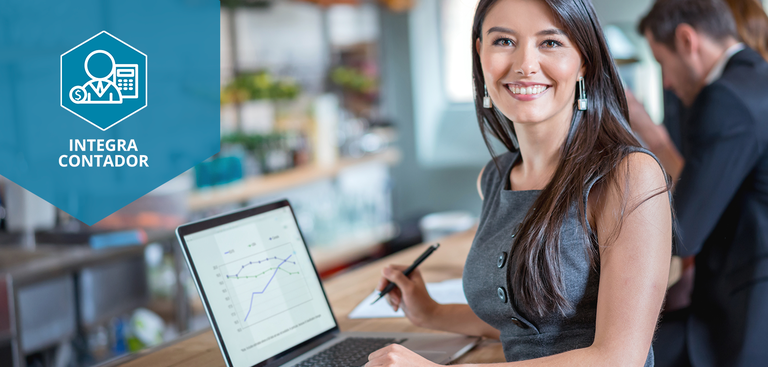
<point x="456" y="31"/>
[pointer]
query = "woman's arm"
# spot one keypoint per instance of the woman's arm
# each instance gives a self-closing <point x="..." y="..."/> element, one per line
<point x="422" y="311"/>
<point x="411" y="295"/>
<point x="461" y="319"/>
<point x="634" y="262"/>
<point x="634" y="265"/>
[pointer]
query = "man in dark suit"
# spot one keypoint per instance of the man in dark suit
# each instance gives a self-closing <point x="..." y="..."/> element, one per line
<point x="721" y="173"/>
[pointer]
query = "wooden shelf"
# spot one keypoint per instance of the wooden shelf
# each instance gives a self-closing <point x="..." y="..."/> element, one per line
<point x="252" y="187"/>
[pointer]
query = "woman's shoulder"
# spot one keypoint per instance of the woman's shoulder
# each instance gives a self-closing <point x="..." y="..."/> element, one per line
<point x="495" y="169"/>
<point x="638" y="164"/>
<point x="644" y="169"/>
<point x="638" y="173"/>
<point x="503" y="160"/>
<point x="641" y="164"/>
<point x="638" y="176"/>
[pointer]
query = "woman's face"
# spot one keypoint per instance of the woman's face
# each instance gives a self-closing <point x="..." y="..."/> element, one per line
<point x="529" y="64"/>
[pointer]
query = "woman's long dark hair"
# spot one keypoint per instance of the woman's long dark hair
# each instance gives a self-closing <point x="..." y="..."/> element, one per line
<point x="598" y="140"/>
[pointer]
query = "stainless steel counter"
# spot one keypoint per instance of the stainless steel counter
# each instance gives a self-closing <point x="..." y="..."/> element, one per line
<point x="50" y="294"/>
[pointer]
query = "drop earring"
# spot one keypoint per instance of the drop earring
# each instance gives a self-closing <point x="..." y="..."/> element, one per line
<point x="486" y="99"/>
<point x="582" y="102"/>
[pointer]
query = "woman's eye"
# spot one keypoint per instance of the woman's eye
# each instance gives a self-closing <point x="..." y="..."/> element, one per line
<point x="504" y="42"/>
<point x="552" y="43"/>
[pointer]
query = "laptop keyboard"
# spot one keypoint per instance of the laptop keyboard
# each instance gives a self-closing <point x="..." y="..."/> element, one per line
<point x="351" y="352"/>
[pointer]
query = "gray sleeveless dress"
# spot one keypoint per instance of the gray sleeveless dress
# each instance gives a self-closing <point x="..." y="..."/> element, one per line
<point x="487" y="277"/>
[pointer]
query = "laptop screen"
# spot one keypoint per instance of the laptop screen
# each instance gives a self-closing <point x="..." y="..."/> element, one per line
<point x="259" y="283"/>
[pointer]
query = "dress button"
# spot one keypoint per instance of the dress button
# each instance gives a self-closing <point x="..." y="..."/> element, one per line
<point x="502" y="293"/>
<point x="519" y="323"/>
<point x="501" y="260"/>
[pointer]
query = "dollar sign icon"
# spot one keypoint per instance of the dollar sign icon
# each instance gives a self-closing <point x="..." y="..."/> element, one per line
<point x="77" y="94"/>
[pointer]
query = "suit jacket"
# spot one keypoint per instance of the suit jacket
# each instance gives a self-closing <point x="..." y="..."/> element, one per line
<point x="674" y="114"/>
<point x="721" y="201"/>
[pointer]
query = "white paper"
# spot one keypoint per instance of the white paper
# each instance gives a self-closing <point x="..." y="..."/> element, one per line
<point x="446" y="292"/>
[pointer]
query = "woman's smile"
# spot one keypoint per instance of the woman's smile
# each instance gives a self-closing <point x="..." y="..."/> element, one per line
<point x="523" y="91"/>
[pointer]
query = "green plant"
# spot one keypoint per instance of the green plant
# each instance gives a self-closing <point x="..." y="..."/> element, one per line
<point x="258" y="85"/>
<point x="353" y="79"/>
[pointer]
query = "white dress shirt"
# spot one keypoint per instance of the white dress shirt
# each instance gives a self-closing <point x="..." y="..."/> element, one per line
<point x="717" y="70"/>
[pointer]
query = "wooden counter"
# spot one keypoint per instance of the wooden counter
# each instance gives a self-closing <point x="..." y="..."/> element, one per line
<point x="345" y="292"/>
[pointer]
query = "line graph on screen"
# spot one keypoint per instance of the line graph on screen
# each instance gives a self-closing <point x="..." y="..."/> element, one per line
<point x="265" y="284"/>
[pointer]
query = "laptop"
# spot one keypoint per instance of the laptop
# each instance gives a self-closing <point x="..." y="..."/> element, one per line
<point x="266" y="304"/>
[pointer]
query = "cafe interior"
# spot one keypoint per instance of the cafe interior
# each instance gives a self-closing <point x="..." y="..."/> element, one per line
<point x="359" y="112"/>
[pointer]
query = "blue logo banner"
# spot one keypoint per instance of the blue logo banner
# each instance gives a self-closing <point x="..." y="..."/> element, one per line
<point x="103" y="101"/>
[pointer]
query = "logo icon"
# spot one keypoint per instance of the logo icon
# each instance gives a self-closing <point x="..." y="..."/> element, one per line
<point x="103" y="80"/>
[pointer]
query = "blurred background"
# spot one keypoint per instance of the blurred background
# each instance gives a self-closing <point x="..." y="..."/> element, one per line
<point x="358" y="111"/>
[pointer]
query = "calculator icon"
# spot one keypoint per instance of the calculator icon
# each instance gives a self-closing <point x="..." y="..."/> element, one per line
<point x="126" y="79"/>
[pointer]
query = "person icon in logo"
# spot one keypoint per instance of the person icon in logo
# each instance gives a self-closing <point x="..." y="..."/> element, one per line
<point x="101" y="89"/>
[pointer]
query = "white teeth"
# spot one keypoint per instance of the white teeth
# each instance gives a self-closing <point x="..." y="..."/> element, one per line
<point x="527" y="90"/>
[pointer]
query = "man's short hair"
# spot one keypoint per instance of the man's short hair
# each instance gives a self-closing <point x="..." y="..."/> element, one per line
<point x="711" y="17"/>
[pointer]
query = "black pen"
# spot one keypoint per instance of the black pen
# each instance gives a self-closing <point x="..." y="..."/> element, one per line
<point x="408" y="271"/>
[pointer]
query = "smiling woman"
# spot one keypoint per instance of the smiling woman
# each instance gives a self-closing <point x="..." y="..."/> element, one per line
<point x="570" y="260"/>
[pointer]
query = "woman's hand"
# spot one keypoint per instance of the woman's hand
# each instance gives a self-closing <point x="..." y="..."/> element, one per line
<point x="396" y="355"/>
<point x="410" y="295"/>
